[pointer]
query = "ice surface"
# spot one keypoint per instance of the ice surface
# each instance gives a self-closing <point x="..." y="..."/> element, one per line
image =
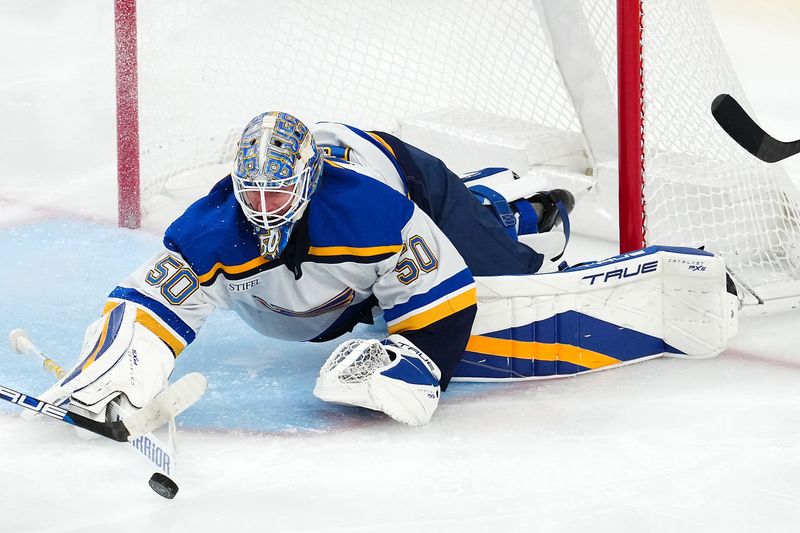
<point x="663" y="446"/>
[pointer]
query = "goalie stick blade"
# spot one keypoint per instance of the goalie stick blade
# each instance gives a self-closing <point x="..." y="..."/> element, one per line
<point x="749" y="135"/>
<point x="150" y="447"/>
<point x="173" y="401"/>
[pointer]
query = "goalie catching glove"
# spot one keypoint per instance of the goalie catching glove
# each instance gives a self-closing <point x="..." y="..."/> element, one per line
<point x="392" y="376"/>
<point x="121" y="362"/>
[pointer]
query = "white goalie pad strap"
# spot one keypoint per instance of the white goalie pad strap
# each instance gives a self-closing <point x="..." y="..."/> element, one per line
<point x="627" y="308"/>
<point x="503" y="182"/>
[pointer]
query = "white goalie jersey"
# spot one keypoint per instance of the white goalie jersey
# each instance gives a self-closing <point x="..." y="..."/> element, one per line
<point x="360" y="245"/>
<point x="363" y="244"/>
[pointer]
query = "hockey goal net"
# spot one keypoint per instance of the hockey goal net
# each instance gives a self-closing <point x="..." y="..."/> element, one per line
<point x="530" y="84"/>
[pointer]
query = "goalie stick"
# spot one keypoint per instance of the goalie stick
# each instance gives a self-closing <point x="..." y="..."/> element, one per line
<point x="151" y="448"/>
<point x="744" y="130"/>
<point x="148" y="446"/>
<point x="174" y="400"/>
<point x="112" y="430"/>
<point x="21" y="344"/>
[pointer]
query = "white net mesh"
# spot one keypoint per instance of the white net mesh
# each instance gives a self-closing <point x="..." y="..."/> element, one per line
<point x="207" y="67"/>
<point x="700" y="187"/>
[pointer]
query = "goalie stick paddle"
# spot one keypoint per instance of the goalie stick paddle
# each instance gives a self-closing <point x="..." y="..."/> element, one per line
<point x="112" y="430"/>
<point x="173" y="401"/>
<point x="177" y="398"/>
<point x="744" y="130"/>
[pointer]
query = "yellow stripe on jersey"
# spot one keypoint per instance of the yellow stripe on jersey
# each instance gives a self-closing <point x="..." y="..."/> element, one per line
<point x="350" y="250"/>
<point x="384" y="143"/>
<point x="539" y="351"/>
<point x="331" y="163"/>
<point x="437" y="312"/>
<point x="92" y="356"/>
<point x="147" y="320"/>
<point x="232" y="269"/>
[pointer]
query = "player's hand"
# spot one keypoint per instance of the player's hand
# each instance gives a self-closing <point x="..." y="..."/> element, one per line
<point x="121" y="361"/>
<point x="392" y="376"/>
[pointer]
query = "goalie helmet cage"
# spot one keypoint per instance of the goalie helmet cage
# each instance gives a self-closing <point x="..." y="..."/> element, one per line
<point x="564" y="77"/>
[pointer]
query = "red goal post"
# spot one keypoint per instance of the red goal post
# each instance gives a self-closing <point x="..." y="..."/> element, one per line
<point x="128" y="186"/>
<point x="630" y="119"/>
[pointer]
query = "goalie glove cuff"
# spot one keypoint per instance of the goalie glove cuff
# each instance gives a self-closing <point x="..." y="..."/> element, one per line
<point x="407" y="389"/>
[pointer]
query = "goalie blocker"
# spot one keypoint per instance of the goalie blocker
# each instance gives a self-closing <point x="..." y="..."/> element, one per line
<point x="621" y="310"/>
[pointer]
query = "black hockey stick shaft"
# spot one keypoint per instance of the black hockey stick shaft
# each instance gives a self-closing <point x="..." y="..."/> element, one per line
<point x="744" y="130"/>
<point x="112" y="430"/>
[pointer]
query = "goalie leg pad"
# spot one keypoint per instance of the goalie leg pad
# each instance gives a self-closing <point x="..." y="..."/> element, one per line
<point x="628" y="308"/>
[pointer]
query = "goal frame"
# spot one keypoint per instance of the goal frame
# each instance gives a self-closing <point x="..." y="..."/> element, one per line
<point x="129" y="210"/>
<point x="630" y="118"/>
<point x="629" y="54"/>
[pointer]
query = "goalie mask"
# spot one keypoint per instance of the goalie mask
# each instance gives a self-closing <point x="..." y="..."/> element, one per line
<point x="277" y="169"/>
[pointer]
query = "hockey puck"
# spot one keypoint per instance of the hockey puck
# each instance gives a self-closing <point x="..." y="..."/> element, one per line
<point x="163" y="486"/>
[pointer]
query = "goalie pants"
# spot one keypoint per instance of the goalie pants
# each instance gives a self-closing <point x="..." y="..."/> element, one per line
<point x="486" y="247"/>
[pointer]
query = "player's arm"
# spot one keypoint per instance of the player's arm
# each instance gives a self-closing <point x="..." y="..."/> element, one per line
<point x="428" y="295"/>
<point x="170" y="299"/>
<point x="429" y="302"/>
<point x="129" y="353"/>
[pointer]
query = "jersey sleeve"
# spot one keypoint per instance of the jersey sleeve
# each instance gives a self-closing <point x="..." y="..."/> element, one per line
<point x="170" y="302"/>
<point x="365" y="149"/>
<point x="427" y="294"/>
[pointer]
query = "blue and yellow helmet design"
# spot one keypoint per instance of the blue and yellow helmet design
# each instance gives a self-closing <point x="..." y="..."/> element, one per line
<point x="275" y="172"/>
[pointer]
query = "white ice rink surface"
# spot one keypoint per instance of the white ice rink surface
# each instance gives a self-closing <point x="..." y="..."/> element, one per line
<point x="663" y="446"/>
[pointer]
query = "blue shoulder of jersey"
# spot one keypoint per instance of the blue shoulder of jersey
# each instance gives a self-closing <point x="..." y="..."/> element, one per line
<point x="353" y="217"/>
<point x="214" y="237"/>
